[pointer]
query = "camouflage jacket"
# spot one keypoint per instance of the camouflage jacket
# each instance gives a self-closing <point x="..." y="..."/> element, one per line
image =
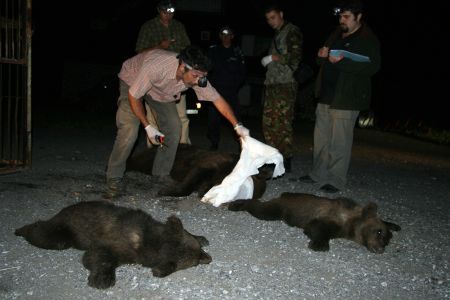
<point x="153" y="32"/>
<point x="287" y="43"/>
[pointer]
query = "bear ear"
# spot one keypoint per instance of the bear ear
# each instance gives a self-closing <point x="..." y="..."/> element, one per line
<point x="392" y="226"/>
<point x="370" y="210"/>
<point x="174" y="223"/>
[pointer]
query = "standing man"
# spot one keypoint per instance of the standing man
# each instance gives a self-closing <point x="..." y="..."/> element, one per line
<point x="159" y="76"/>
<point x="284" y="56"/>
<point x="343" y="88"/>
<point x="163" y="32"/>
<point x="227" y="77"/>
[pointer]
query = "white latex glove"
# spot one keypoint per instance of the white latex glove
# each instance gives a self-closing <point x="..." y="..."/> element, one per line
<point x="152" y="133"/>
<point x="266" y="60"/>
<point x="241" y="130"/>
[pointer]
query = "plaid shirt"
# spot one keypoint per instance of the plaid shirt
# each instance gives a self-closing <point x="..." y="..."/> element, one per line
<point x="154" y="73"/>
<point x="153" y="32"/>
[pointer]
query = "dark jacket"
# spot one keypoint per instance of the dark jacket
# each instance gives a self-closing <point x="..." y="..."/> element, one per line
<point x="351" y="89"/>
<point x="228" y="67"/>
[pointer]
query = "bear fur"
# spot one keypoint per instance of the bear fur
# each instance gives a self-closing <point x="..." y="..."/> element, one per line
<point x="112" y="236"/>
<point x="323" y="219"/>
<point x="198" y="170"/>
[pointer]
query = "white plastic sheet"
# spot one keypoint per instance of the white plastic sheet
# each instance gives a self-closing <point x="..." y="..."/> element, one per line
<point x="238" y="184"/>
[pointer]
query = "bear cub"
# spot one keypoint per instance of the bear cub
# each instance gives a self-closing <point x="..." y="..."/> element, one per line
<point x="112" y="236"/>
<point x="323" y="219"/>
<point x="197" y="170"/>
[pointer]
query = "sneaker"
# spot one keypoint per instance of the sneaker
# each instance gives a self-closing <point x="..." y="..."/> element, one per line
<point x="306" y="179"/>
<point x="114" y="187"/>
<point x="328" y="188"/>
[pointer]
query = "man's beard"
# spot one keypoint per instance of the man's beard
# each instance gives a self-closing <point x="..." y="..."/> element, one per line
<point x="344" y="28"/>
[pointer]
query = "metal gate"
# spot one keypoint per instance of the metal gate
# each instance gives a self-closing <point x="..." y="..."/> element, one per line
<point x="15" y="85"/>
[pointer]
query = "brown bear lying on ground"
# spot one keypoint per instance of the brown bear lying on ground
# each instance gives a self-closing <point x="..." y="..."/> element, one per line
<point x="196" y="169"/>
<point x="113" y="236"/>
<point x="323" y="219"/>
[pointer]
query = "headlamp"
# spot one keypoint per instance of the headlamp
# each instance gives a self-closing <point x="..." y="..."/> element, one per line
<point x="170" y="10"/>
<point x="225" y="30"/>
<point x="202" y="80"/>
<point x="337" y="11"/>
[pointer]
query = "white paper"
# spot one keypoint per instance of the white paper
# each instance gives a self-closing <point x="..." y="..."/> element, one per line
<point x="349" y="55"/>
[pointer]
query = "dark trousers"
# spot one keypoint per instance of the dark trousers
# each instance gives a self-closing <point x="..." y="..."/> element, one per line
<point x="214" y="116"/>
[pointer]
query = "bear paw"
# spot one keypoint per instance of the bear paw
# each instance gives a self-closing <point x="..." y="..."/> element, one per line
<point x="318" y="246"/>
<point x="171" y="191"/>
<point x="157" y="272"/>
<point x="237" y="205"/>
<point x="102" y="280"/>
<point x="164" y="269"/>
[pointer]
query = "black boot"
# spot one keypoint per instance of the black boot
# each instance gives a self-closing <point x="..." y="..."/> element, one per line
<point x="287" y="164"/>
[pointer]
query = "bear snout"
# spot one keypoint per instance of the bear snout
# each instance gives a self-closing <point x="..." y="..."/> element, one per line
<point x="376" y="249"/>
<point x="205" y="258"/>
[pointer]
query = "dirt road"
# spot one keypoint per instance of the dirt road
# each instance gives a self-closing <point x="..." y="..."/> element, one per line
<point x="252" y="259"/>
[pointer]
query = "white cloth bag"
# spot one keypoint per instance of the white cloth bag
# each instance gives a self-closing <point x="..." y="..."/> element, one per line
<point x="238" y="184"/>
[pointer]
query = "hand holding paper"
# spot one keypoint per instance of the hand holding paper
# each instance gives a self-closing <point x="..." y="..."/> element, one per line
<point x="349" y="55"/>
<point x="239" y="184"/>
<point x="241" y="130"/>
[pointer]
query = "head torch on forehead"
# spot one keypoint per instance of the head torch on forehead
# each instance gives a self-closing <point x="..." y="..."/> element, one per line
<point x="353" y="6"/>
<point x="166" y="6"/>
<point x="169" y="10"/>
<point x="202" y="80"/>
<point x="337" y="11"/>
<point x="225" y="32"/>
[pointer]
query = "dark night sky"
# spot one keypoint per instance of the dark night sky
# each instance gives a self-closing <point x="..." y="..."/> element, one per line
<point x="414" y="38"/>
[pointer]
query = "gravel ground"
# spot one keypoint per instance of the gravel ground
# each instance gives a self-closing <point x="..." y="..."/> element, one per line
<point x="252" y="259"/>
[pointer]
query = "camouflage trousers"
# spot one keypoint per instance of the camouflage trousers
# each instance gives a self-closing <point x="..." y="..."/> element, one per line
<point x="278" y="114"/>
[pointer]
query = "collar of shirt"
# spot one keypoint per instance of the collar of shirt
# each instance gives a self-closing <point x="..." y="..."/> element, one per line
<point x="153" y="73"/>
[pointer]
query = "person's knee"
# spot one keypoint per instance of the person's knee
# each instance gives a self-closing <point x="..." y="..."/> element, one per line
<point x="128" y="130"/>
<point x="172" y="131"/>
